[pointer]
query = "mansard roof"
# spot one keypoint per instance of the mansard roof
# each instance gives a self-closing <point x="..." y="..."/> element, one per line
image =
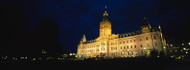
<point x="154" y="29"/>
<point x="90" y="41"/>
<point x="130" y="34"/>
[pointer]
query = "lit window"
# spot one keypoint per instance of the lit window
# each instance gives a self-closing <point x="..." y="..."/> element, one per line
<point x="142" y="52"/>
<point x="171" y="45"/>
<point x="175" y="50"/>
<point x="146" y="38"/>
<point x="182" y="44"/>
<point x="170" y="50"/>
<point x="154" y="37"/>
<point x="155" y="44"/>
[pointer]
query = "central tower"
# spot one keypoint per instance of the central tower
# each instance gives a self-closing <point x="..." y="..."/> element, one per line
<point x="105" y="26"/>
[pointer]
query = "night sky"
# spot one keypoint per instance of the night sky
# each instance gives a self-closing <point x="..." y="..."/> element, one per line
<point x="30" y="25"/>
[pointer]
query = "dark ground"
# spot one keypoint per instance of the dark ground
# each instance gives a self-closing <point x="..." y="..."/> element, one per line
<point x="116" y="64"/>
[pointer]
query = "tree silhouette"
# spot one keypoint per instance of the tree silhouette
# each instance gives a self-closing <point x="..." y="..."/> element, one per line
<point x="153" y="54"/>
<point x="16" y="40"/>
<point x="14" y="34"/>
<point x="46" y="33"/>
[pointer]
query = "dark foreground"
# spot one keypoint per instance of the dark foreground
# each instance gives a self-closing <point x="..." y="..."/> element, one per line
<point x="119" y="64"/>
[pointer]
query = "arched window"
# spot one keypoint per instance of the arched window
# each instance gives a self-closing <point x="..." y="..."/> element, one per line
<point x="129" y="34"/>
<point x="155" y="43"/>
<point x="125" y="35"/>
<point x="154" y="37"/>
<point x="120" y="36"/>
<point x="146" y="38"/>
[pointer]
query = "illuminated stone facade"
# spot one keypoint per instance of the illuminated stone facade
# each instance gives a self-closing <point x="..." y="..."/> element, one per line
<point x="133" y="44"/>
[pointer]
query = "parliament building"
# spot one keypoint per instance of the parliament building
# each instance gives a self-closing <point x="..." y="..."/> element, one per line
<point x="133" y="44"/>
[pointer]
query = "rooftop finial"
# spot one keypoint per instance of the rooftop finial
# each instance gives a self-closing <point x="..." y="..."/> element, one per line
<point x="145" y="17"/>
<point x="84" y="38"/>
<point x="105" y="7"/>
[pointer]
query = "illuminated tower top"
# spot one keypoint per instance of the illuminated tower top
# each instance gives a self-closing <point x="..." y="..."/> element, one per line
<point x="105" y="26"/>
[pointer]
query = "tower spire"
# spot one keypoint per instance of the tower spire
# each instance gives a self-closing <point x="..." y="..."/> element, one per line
<point x="145" y="26"/>
<point x="105" y="7"/>
<point x="145" y="22"/>
<point x="105" y="15"/>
